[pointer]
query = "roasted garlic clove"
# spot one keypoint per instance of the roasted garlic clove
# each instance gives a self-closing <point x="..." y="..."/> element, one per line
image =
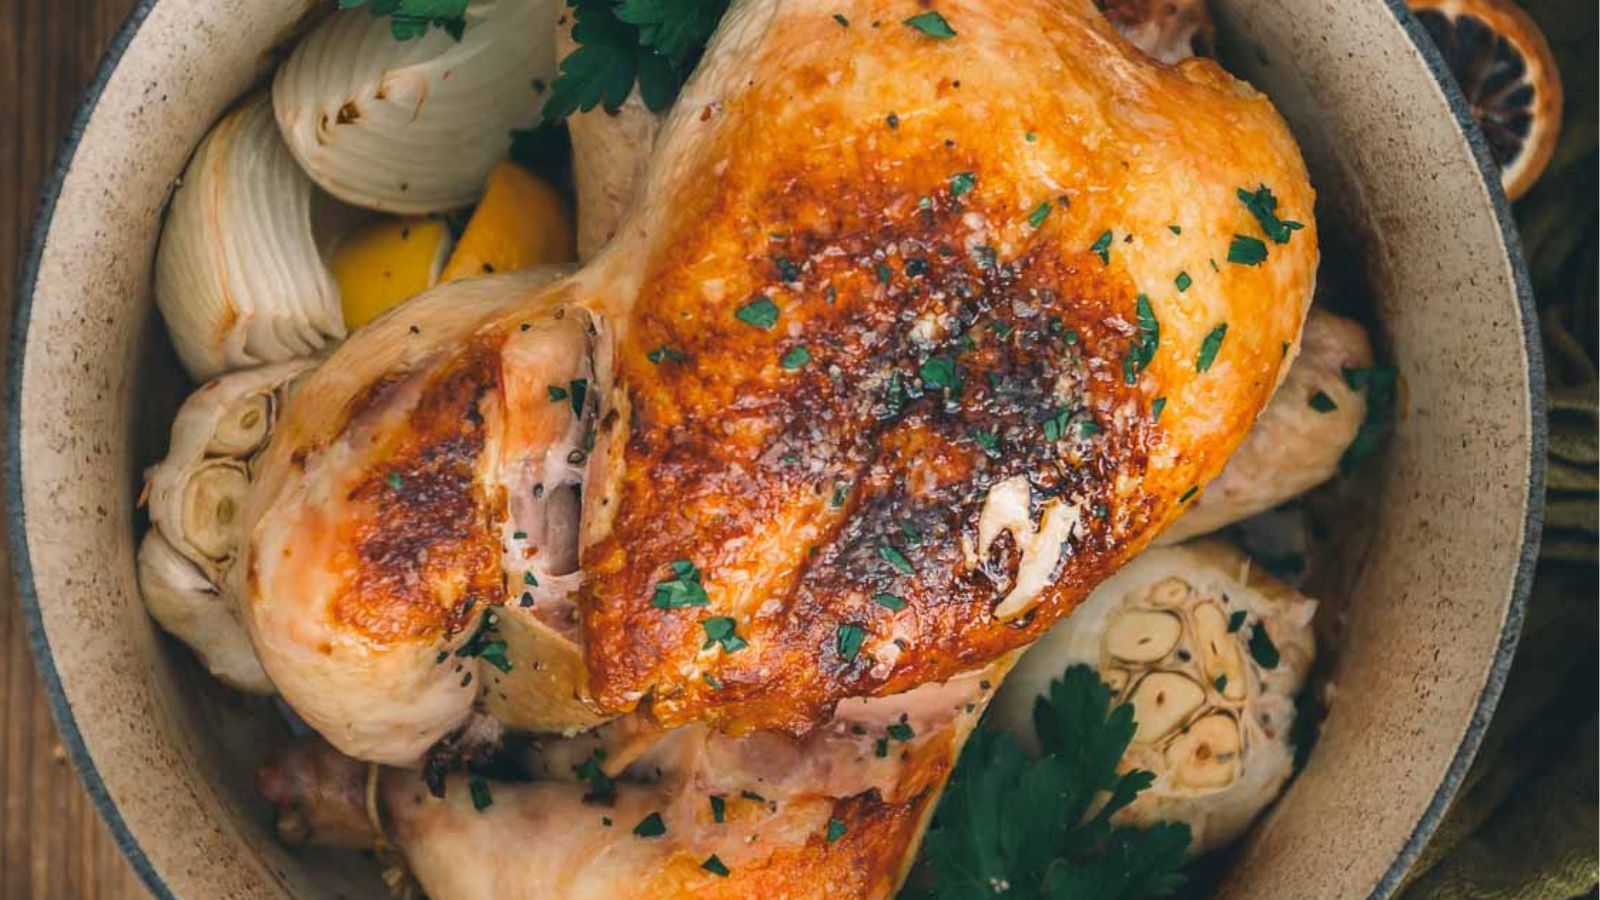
<point x="414" y="126"/>
<point x="1210" y="652"/>
<point x="239" y="278"/>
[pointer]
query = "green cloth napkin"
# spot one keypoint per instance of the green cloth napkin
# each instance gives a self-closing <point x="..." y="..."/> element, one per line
<point x="1524" y="824"/>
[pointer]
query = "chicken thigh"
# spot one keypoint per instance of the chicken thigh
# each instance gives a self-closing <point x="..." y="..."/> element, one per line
<point x="916" y="332"/>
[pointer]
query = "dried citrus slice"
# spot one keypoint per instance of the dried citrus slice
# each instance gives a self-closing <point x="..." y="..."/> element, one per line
<point x="386" y="262"/>
<point x="521" y="222"/>
<point x="1504" y="67"/>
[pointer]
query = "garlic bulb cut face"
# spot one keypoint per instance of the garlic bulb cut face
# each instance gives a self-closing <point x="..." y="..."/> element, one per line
<point x="191" y="608"/>
<point x="1298" y="439"/>
<point x="239" y="278"/>
<point x="197" y="493"/>
<point x="414" y="126"/>
<point x="1210" y="651"/>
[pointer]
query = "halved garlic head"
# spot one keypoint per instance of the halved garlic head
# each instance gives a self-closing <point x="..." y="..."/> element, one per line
<point x="196" y="494"/>
<point x="191" y="608"/>
<point x="414" y="126"/>
<point x="1210" y="651"/>
<point x="239" y="278"/>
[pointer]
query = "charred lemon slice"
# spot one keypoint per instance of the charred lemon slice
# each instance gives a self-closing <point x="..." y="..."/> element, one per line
<point x="1504" y="67"/>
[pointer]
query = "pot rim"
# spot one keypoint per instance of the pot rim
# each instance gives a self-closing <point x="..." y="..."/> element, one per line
<point x="66" y="723"/>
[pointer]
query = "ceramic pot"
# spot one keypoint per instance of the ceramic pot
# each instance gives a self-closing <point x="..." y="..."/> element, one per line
<point x="1427" y="617"/>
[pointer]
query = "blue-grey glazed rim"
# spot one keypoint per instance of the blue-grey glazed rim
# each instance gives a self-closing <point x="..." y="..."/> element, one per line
<point x="72" y="739"/>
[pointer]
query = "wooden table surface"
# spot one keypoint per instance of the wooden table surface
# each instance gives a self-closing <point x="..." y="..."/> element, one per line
<point x="52" y="843"/>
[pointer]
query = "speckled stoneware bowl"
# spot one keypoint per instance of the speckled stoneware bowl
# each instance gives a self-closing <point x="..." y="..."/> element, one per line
<point x="1432" y="593"/>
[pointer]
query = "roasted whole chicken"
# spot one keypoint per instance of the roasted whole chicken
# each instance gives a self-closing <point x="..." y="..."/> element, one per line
<point x="907" y="341"/>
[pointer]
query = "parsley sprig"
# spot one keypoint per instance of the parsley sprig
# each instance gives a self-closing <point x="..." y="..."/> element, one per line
<point x="1022" y="828"/>
<point x="652" y="43"/>
<point x="411" y="18"/>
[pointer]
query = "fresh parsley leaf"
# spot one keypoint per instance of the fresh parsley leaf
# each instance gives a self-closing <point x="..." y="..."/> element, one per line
<point x="412" y="18"/>
<point x="682" y="590"/>
<point x="720" y="630"/>
<point x="1210" y="347"/>
<point x="932" y="24"/>
<point x="676" y="29"/>
<point x="654" y="44"/>
<point x="1246" y="251"/>
<point x="1145" y="343"/>
<point x="1040" y="829"/>
<point x="1379" y="383"/>
<point x="1264" y="207"/>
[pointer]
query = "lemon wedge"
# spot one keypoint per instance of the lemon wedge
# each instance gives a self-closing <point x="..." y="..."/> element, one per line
<point x="521" y="222"/>
<point x="386" y="262"/>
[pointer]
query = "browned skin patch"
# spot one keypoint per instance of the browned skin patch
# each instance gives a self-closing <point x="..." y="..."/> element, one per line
<point x="428" y="552"/>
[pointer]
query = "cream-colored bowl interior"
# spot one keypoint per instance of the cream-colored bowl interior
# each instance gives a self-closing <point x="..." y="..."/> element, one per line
<point x="1429" y="611"/>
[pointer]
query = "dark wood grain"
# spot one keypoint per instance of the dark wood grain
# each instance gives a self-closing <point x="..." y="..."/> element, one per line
<point x="52" y="842"/>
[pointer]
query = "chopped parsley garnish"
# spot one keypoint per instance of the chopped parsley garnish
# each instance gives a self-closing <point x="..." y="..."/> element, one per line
<point x="795" y="358"/>
<point x="889" y="601"/>
<point x="841" y="492"/>
<point x="843" y="22"/>
<point x="849" y="641"/>
<point x="494" y="653"/>
<point x="1246" y="251"/>
<point x="481" y="798"/>
<point x="1322" y="403"/>
<point x="900" y="731"/>
<point x="711" y="681"/>
<point x="1175" y="229"/>
<point x="988" y="440"/>
<point x="651" y="826"/>
<point x="1262" y="649"/>
<point x="719" y="808"/>
<point x="1264" y="207"/>
<point x="411" y="18"/>
<point x="836" y="830"/>
<point x="1039" y="214"/>
<point x="895" y="558"/>
<point x="664" y="352"/>
<point x="1145" y="343"/>
<point x="578" y="387"/>
<point x="715" y="866"/>
<point x="940" y="372"/>
<point x="1156" y="406"/>
<point x="961" y="182"/>
<point x="1102" y="247"/>
<point x="787" y="270"/>
<point x="1042" y="827"/>
<point x="892" y="120"/>
<point x="1220" y="683"/>
<point x="760" y="312"/>
<point x="880" y="748"/>
<point x="1209" y="347"/>
<point x="602" y="789"/>
<point x="393" y="480"/>
<point x="1183" y="281"/>
<point x="1088" y="429"/>
<point x="1030" y="137"/>
<point x="932" y="24"/>
<point x="720" y="630"/>
<point x="528" y="579"/>
<point x="1236" y="620"/>
<point x="753" y="796"/>
<point x="1193" y="489"/>
<point x="1379" y="382"/>
<point x="682" y="590"/>
<point x="557" y="394"/>
<point x="885" y="274"/>
<point x="1055" y="425"/>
